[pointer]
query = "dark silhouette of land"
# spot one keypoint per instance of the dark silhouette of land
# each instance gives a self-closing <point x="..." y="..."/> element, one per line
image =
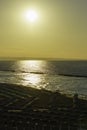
<point x="23" y="108"/>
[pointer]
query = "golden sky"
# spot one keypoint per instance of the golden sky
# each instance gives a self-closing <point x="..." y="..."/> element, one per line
<point x="60" y="30"/>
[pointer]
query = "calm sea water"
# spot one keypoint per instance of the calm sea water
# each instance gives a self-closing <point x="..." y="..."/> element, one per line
<point x="68" y="77"/>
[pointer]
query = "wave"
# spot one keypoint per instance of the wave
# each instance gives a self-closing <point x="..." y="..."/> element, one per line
<point x="68" y="75"/>
<point x="17" y="71"/>
<point x="8" y="71"/>
<point x="49" y="73"/>
<point x="37" y="73"/>
<point x="75" y="75"/>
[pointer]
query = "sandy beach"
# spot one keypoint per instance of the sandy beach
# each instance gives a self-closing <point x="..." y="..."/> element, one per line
<point x="23" y="105"/>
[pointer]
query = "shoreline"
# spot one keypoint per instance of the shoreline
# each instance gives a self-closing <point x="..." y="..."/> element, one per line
<point x="44" y="96"/>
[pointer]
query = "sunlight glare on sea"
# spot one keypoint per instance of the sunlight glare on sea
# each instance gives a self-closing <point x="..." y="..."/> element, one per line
<point x="32" y="72"/>
<point x="32" y="65"/>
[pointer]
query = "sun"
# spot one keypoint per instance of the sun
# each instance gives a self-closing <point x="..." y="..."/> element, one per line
<point x="31" y="15"/>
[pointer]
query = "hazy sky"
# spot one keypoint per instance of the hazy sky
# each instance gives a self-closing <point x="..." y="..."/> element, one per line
<point x="59" y="32"/>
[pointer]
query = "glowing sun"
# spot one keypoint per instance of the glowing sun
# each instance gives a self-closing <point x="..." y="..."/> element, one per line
<point x="31" y="15"/>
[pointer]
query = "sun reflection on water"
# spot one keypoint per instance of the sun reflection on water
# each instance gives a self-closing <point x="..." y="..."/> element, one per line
<point x="33" y="73"/>
<point x="33" y="79"/>
<point x="32" y="65"/>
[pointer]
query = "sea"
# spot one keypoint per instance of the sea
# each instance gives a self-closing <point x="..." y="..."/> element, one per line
<point x="67" y="77"/>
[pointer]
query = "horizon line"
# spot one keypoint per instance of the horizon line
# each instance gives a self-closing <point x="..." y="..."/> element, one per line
<point x="41" y="58"/>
